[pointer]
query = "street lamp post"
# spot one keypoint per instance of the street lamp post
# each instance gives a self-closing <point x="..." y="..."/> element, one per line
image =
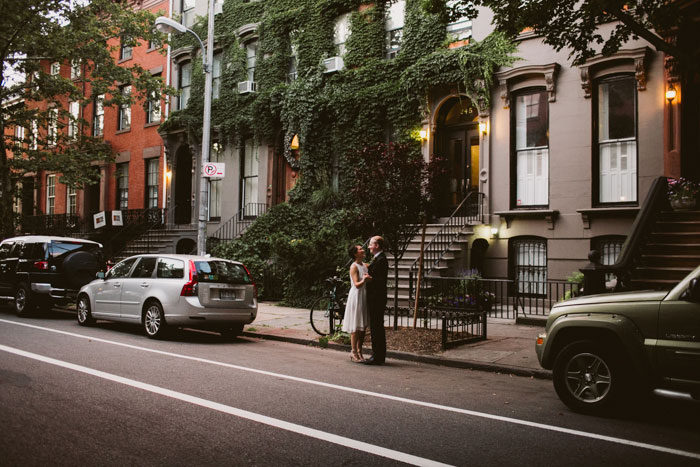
<point x="167" y="25"/>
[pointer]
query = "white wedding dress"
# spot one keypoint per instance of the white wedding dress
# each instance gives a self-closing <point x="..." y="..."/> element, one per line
<point x="356" y="315"/>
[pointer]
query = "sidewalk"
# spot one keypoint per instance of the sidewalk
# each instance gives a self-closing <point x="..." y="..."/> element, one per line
<point x="509" y="348"/>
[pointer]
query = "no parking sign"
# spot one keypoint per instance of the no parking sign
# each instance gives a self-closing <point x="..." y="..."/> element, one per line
<point x="214" y="169"/>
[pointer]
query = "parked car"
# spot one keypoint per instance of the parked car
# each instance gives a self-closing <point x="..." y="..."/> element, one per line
<point x="604" y="348"/>
<point x="38" y="271"/>
<point x="172" y="290"/>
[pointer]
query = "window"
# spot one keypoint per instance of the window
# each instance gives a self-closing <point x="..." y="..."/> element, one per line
<point x="531" y="122"/>
<point x="215" y="186"/>
<point x="125" y="50"/>
<point x="123" y="186"/>
<point x="184" y="77"/>
<point x="292" y="72"/>
<point x="74" y="111"/>
<point x="394" y="28"/>
<point x="121" y="269"/>
<point x="124" y="118"/>
<point x="251" y="50"/>
<point x="216" y="76"/>
<point x="617" y="140"/>
<point x="529" y="265"/>
<point x="153" y="109"/>
<point x="55" y="68"/>
<point x="249" y="176"/>
<point x="145" y="267"/>
<point x="460" y="30"/>
<point x="170" y="268"/>
<point x="98" y="126"/>
<point x="52" y="133"/>
<point x="609" y="248"/>
<point x="75" y="69"/>
<point x="50" y="194"/>
<point x="187" y="11"/>
<point x="152" y="182"/>
<point x="34" y="142"/>
<point x="71" y="201"/>
<point x="19" y="134"/>
<point x="341" y="33"/>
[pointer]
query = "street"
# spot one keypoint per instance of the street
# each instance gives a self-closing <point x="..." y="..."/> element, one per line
<point x="107" y="395"/>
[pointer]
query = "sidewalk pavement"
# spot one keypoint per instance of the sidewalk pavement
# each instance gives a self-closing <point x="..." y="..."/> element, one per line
<point x="509" y="347"/>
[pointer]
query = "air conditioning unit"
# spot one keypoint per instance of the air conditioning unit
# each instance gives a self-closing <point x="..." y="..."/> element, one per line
<point x="391" y="54"/>
<point x="333" y="64"/>
<point x="245" y="87"/>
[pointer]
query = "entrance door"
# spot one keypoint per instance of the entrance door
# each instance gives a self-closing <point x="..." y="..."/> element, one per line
<point x="183" y="186"/>
<point x="461" y="148"/>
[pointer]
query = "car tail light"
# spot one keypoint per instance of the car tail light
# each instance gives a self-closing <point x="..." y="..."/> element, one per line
<point x="255" y="286"/>
<point x="41" y="265"/>
<point x="190" y="288"/>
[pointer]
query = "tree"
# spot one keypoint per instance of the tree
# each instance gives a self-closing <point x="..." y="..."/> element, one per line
<point x="85" y="35"/>
<point x="574" y="24"/>
<point x="388" y="190"/>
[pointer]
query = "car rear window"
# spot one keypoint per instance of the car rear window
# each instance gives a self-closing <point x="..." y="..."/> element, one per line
<point x="60" y="250"/>
<point x="222" y="271"/>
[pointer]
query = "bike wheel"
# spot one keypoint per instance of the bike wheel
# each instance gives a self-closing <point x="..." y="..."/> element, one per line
<point x="321" y="316"/>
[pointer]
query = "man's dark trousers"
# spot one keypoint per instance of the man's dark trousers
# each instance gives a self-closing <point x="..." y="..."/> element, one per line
<point x="376" y="305"/>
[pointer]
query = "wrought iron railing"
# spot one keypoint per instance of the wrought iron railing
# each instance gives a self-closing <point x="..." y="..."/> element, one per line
<point x="136" y="223"/>
<point x="470" y="210"/>
<point x="55" y="224"/>
<point x="236" y="225"/>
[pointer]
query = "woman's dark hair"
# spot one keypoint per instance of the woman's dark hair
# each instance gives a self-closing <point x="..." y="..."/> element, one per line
<point x="352" y="251"/>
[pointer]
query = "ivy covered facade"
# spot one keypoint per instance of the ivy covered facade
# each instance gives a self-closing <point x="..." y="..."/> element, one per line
<point x="563" y="153"/>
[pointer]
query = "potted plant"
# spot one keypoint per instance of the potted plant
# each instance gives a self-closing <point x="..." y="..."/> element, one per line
<point x="682" y="193"/>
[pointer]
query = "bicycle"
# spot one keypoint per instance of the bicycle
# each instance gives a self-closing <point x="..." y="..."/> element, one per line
<point x="328" y="310"/>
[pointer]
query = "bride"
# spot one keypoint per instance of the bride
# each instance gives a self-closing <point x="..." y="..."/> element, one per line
<point x="356" y="317"/>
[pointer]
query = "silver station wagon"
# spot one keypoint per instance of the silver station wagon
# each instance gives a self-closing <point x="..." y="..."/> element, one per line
<point x="160" y="291"/>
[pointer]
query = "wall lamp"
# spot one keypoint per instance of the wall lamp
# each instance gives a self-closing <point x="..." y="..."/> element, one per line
<point x="483" y="127"/>
<point x="423" y="134"/>
<point x="494" y="232"/>
<point x="670" y="93"/>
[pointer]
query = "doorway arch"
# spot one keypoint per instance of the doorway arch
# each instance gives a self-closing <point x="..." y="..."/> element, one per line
<point x="182" y="186"/>
<point x="457" y="143"/>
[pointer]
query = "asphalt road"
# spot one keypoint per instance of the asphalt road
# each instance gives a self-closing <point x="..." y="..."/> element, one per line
<point x="107" y="395"/>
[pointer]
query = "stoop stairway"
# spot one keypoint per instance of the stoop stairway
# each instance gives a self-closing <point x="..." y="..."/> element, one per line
<point x="671" y="251"/>
<point x="163" y="240"/>
<point x="453" y="261"/>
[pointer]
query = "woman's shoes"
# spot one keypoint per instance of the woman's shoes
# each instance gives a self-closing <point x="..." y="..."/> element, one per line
<point x="355" y="358"/>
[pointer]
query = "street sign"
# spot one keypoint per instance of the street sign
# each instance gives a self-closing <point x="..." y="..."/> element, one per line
<point x="214" y="169"/>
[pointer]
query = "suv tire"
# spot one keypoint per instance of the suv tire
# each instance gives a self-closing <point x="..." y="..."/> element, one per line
<point x="24" y="304"/>
<point x="588" y="377"/>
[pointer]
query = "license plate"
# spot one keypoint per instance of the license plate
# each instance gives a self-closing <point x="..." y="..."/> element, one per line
<point x="227" y="294"/>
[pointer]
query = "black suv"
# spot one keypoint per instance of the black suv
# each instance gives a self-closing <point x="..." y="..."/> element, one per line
<point x="38" y="271"/>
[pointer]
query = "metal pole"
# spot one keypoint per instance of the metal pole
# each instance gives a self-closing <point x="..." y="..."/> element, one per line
<point x="206" y="135"/>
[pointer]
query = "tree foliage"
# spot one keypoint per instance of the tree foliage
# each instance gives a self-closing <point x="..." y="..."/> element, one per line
<point x="36" y="33"/>
<point x="575" y="24"/>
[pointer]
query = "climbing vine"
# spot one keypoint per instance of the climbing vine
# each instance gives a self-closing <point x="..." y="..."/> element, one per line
<point x="373" y="99"/>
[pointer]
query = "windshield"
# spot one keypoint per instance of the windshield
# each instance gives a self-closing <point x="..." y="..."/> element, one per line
<point x="222" y="271"/>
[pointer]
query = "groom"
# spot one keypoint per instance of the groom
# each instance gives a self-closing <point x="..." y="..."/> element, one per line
<point x="376" y="300"/>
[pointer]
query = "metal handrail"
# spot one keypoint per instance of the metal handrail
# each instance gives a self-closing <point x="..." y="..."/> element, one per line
<point x="136" y="224"/>
<point x="240" y="221"/>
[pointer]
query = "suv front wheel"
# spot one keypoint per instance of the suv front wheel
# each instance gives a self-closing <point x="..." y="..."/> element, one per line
<point x="588" y="377"/>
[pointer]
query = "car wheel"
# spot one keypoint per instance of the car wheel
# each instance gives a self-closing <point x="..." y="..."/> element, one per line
<point x="232" y="332"/>
<point x="84" y="314"/>
<point x="154" y="320"/>
<point x="23" y="300"/>
<point x="588" y="378"/>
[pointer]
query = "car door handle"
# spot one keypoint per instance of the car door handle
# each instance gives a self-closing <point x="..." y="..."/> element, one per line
<point x="145" y="284"/>
<point x="117" y="284"/>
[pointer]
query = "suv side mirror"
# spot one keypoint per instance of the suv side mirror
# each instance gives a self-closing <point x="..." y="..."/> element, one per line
<point x="100" y="275"/>
<point x="692" y="293"/>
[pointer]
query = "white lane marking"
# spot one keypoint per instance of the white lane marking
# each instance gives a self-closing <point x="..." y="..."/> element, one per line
<point x="515" y="421"/>
<point x="227" y="409"/>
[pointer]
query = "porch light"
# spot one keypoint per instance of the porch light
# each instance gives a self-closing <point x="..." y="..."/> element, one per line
<point x="423" y="134"/>
<point x="294" y="145"/>
<point x="494" y="232"/>
<point x="483" y="127"/>
<point x="670" y="93"/>
<point x="168" y="175"/>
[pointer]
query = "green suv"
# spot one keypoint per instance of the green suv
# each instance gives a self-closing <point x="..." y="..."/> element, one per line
<point x="603" y="348"/>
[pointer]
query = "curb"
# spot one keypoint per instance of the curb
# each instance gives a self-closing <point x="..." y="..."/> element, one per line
<point x="429" y="359"/>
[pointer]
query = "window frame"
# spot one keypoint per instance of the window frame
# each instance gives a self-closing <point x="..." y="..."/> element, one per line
<point x="122" y="186"/>
<point x="124" y="112"/>
<point x="50" y="194"/>
<point x="596" y="146"/>
<point x="183" y="97"/>
<point x="71" y="201"/>
<point x="247" y="180"/>
<point x="126" y="52"/>
<point x="98" y="120"/>
<point x="152" y="189"/>
<point x="513" y="266"/>
<point x="74" y="116"/>
<point x="542" y="92"/>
